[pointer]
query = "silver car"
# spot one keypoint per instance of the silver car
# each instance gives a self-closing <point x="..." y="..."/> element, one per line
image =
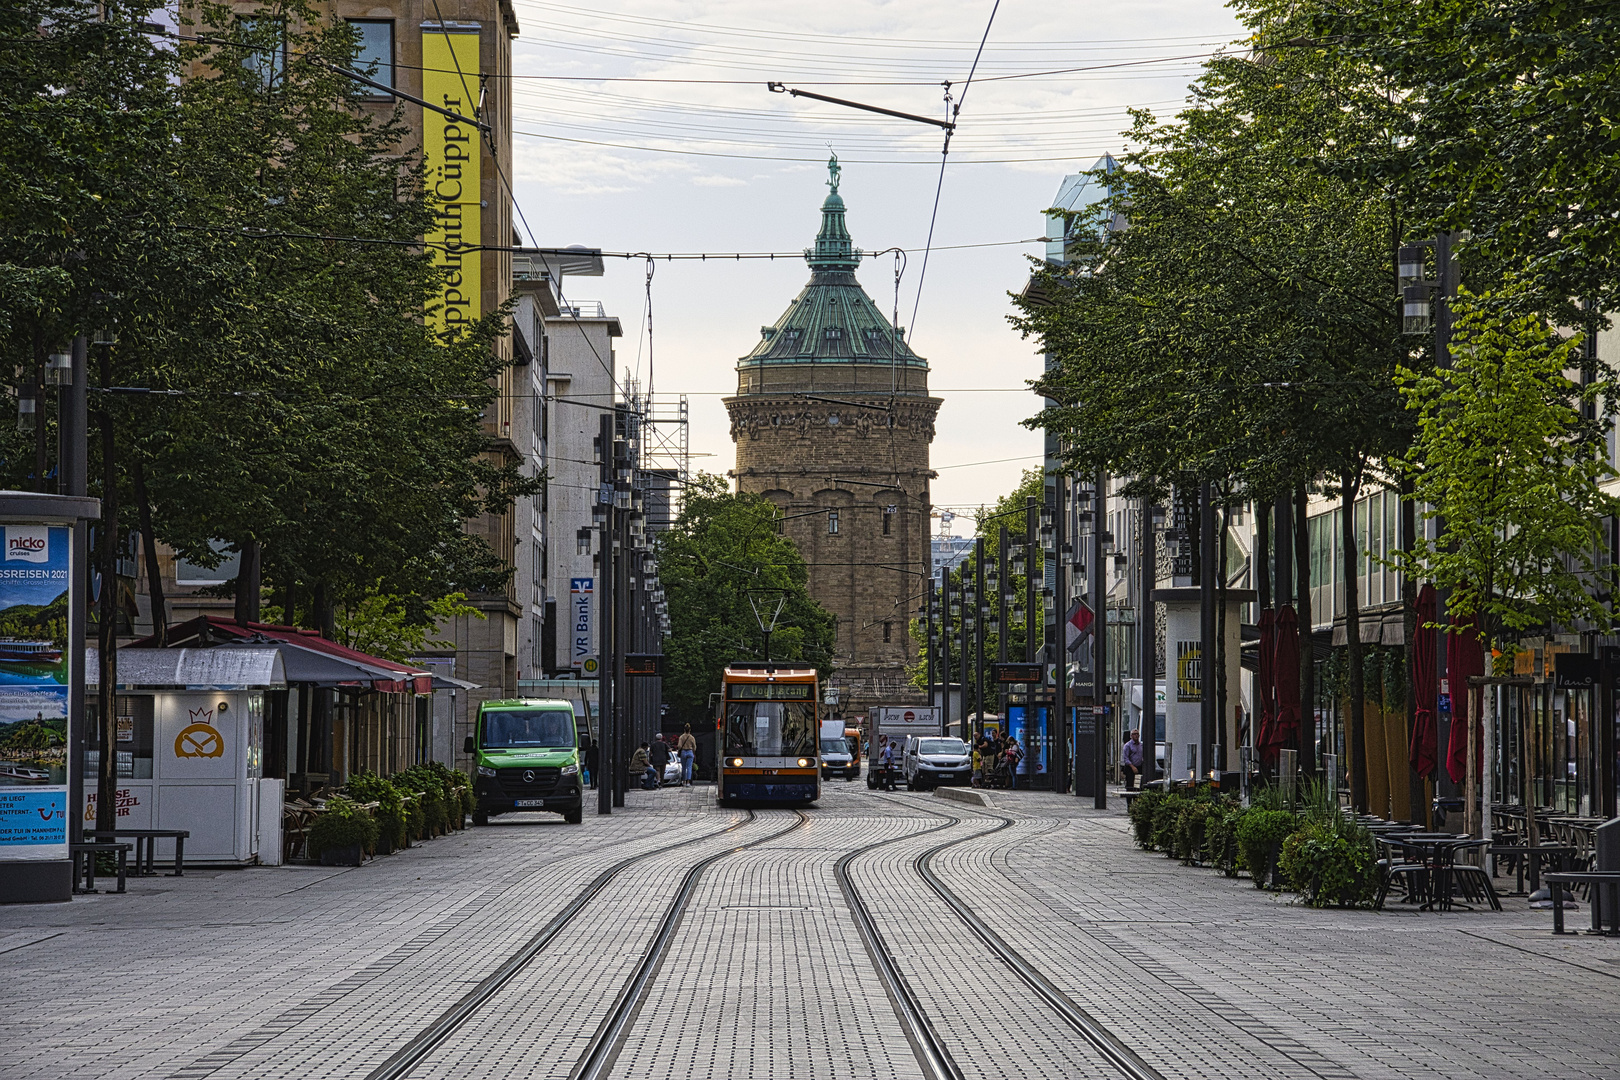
<point x="931" y="761"/>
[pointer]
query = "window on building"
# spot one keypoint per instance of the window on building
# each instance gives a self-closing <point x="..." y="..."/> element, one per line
<point x="887" y="517"/>
<point x="268" y="58"/>
<point x="374" y="55"/>
<point x="888" y="632"/>
<point x="832" y="521"/>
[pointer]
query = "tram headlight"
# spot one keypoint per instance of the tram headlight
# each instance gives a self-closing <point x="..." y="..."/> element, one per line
<point x="804" y="763"/>
<point x="735" y="763"/>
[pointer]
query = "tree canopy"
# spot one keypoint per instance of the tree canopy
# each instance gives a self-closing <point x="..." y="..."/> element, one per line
<point x="723" y="548"/>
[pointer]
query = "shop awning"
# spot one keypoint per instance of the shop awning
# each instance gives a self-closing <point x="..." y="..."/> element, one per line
<point x="325" y="662"/>
<point x="251" y="668"/>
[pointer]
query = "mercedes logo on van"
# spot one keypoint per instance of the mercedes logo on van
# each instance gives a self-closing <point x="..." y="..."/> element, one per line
<point x="528" y="776"/>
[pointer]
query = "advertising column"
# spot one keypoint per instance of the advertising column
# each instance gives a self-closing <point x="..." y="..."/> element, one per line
<point x="35" y="580"/>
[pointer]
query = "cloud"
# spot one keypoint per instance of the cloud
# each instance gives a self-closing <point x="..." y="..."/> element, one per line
<point x="715" y="180"/>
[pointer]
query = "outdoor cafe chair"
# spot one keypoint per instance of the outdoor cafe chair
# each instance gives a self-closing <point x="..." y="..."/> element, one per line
<point x="1472" y="880"/>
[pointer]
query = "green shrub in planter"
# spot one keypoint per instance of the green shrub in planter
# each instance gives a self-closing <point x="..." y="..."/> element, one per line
<point x="458" y="796"/>
<point x="430" y="798"/>
<point x="1190" y="824"/>
<point x="1260" y="836"/>
<point x="367" y="787"/>
<point x="344" y="826"/>
<point x="1327" y="866"/>
<point x="1220" y="836"/>
<point x="1164" y="822"/>
<point x="1143" y="808"/>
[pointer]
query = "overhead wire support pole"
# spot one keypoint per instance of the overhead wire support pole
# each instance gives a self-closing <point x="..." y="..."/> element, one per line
<point x="778" y="88"/>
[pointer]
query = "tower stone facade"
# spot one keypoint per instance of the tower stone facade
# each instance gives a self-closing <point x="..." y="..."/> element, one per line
<point x="832" y="421"/>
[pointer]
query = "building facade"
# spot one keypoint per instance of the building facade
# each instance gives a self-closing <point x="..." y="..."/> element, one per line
<point x="833" y="421"/>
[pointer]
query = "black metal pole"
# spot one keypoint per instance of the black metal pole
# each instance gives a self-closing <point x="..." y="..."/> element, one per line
<point x="1062" y="728"/>
<point x="965" y="654"/>
<point x="622" y="729"/>
<point x="1208" y="720"/>
<point x="945" y="646"/>
<point x="107" y="616"/>
<point x="604" y="625"/>
<point x="1005" y="628"/>
<point x="928" y="637"/>
<point x="72" y="422"/>
<point x="1149" y="645"/>
<point x="979" y="615"/>
<point x="1099" y="644"/>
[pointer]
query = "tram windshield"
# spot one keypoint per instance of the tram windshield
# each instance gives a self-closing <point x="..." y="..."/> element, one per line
<point x="771" y="728"/>
<point x="528" y="729"/>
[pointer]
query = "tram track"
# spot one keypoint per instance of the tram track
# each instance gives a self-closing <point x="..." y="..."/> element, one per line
<point x="1112" y="1049"/>
<point x="421" y="1046"/>
<point x="597" y="1060"/>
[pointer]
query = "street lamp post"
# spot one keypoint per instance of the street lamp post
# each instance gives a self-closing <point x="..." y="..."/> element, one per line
<point x="1099" y="642"/>
<point x="980" y="617"/>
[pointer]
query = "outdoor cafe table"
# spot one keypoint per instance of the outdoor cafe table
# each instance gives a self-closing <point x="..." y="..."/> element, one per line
<point x="1562" y="854"/>
<point x="1427" y="847"/>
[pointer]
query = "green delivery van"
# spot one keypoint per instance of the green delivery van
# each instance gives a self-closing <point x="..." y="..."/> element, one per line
<point x="527" y="758"/>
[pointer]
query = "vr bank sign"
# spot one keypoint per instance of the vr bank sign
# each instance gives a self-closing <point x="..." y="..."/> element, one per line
<point x="581" y="650"/>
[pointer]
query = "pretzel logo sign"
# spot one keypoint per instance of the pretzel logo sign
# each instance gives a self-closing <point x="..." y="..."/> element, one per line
<point x="199" y="739"/>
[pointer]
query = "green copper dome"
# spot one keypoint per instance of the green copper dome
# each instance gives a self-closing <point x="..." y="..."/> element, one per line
<point x="832" y="320"/>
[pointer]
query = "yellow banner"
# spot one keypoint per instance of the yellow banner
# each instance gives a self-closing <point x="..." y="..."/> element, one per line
<point x="453" y="154"/>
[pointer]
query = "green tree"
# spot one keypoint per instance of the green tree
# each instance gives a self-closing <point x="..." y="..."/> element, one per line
<point x="1508" y="456"/>
<point x="722" y="547"/>
<point x="381" y="624"/>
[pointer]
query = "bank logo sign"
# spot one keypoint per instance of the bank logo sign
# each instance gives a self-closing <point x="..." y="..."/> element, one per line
<point x="582" y="641"/>
<point x="28" y="543"/>
<point x="454" y="154"/>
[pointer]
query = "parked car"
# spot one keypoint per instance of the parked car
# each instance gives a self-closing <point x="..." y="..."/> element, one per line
<point x="672" y="769"/>
<point x="934" y="760"/>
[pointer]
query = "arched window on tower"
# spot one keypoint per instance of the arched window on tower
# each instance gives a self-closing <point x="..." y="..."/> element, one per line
<point x="832" y="522"/>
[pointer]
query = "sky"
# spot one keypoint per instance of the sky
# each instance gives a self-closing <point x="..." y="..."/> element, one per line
<point x="712" y="162"/>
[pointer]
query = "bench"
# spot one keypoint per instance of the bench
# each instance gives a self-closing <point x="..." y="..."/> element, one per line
<point x="84" y="864"/>
<point x="146" y="847"/>
<point x="1599" y="883"/>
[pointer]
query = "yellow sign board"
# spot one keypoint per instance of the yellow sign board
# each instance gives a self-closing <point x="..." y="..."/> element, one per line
<point x="453" y="154"/>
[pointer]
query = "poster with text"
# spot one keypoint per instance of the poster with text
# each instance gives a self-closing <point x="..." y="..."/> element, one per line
<point x="33" y="690"/>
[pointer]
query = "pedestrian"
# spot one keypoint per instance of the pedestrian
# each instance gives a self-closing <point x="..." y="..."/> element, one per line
<point x="1013" y="754"/>
<point x="658" y="758"/>
<point x="640" y="765"/>
<point x="593" y="756"/>
<point x="688" y="749"/>
<point x="888" y="765"/>
<point x="978" y="762"/>
<point x="1130" y="761"/>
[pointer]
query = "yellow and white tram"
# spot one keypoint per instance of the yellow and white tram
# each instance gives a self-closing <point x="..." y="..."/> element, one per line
<point x="769" y="725"/>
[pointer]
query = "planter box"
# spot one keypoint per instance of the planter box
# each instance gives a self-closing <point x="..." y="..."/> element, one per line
<point x="349" y="856"/>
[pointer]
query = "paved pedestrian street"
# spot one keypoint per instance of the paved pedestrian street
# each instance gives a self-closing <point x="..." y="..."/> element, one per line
<point x="677" y="939"/>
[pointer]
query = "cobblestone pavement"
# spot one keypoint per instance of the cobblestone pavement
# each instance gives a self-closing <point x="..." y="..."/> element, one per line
<point x="311" y="972"/>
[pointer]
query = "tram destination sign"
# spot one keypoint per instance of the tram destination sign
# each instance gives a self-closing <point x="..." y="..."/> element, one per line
<point x="1018" y="673"/>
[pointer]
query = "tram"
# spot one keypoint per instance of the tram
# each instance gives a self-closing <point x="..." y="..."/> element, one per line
<point x="769" y="726"/>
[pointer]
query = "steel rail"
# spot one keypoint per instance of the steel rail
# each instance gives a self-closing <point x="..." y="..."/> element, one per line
<point x="926" y="1045"/>
<point x="599" y="1056"/>
<point x="407" y="1057"/>
<point x="1087" y="1026"/>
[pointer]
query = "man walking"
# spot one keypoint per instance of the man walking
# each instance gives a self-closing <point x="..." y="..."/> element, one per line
<point x="688" y="749"/>
<point x="1130" y="760"/>
<point x="888" y="765"/>
<point x="659" y="757"/>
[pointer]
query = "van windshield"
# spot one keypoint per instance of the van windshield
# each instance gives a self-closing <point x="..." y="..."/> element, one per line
<point x="834" y="746"/>
<point x="529" y="729"/>
<point x="942" y="746"/>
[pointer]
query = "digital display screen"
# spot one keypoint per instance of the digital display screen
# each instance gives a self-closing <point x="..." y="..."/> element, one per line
<point x="771" y="692"/>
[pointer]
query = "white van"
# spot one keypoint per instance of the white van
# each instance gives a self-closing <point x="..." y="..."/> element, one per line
<point x="931" y="760"/>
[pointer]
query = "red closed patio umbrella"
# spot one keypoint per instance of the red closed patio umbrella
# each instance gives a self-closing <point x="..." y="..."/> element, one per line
<point x="1267" y="687"/>
<point x="1424" y="751"/>
<point x="1465" y="658"/>
<point x="1285" y="672"/>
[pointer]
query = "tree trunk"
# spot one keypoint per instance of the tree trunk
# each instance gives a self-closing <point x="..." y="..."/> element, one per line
<point x="324" y="615"/>
<point x="1307" y="651"/>
<point x="154" y="571"/>
<point x="1355" y="721"/>
<point x="247" y="584"/>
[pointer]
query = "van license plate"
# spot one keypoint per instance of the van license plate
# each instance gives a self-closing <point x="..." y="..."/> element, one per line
<point x="530" y="802"/>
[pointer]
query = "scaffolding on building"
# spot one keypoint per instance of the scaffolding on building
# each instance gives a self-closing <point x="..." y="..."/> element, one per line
<point x="660" y="444"/>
